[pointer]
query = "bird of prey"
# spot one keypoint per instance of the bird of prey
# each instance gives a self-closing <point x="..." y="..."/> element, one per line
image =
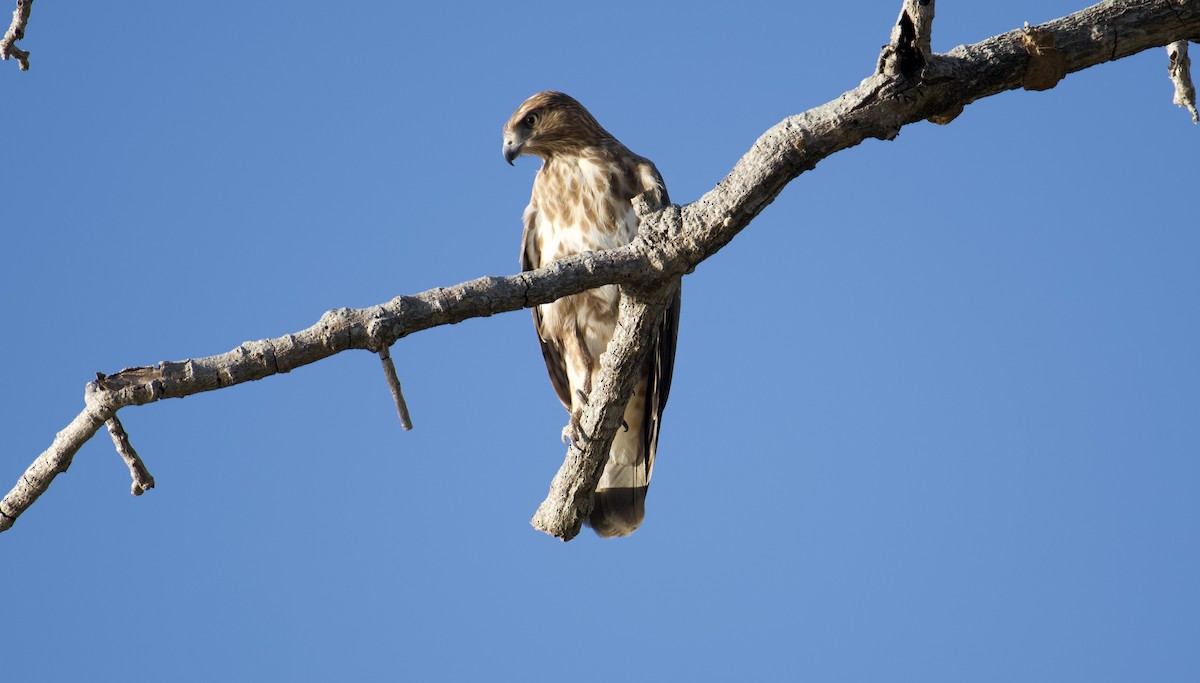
<point x="582" y="202"/>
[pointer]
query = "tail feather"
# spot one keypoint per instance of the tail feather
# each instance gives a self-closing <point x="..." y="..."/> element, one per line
<point x="618" y="511"/>
<point x="620" y="502"/>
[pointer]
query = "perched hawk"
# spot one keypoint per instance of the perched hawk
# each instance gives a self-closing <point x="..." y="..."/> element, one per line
<point x="581" y="202"/>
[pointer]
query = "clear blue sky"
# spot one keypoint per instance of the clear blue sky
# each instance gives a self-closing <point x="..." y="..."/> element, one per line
<point x="934" y="415"/>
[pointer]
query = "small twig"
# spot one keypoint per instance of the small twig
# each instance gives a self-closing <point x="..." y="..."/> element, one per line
<point x="1181" y="75"/>
<point x="16" y="31"/>
<point x="142" y="481"/>
<point x="389" y="371"/>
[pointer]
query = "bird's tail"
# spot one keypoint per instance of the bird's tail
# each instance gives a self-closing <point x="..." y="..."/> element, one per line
<point x="620" y="501"/>
<point x="619" y="511"/>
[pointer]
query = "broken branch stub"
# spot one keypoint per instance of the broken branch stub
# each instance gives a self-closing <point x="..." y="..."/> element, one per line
<point x="1181" y="77"/>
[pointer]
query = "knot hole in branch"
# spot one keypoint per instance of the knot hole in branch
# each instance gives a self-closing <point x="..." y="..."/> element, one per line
<point x="910" y="61"/>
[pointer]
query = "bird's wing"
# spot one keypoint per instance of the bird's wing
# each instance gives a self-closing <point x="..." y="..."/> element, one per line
<point x="661" y="358"/>
<point x="552" y="352"/>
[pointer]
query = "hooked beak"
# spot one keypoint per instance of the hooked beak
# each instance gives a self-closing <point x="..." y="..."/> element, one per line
<point x="512" y="149"/>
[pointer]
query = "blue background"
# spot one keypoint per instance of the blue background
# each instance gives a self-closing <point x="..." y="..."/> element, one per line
<point x="934" y="415"/>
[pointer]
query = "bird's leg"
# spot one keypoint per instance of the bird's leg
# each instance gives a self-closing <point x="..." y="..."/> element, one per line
<point x="573" y="431"/>
<point x="585" y="355"/>
<point x="573" y="428"/>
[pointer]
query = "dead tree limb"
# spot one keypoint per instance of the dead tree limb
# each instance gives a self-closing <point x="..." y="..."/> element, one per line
<point x="15" y="32"/>
<point x="393" y="380"/>
<point x="142" y="480"/>
<point x="909" y="85"/>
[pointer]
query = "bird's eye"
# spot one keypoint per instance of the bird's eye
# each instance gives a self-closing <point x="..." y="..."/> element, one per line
<point x="531" y="120"/>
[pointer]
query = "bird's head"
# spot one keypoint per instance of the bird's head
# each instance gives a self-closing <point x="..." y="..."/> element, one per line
<point x="550" y="123"/>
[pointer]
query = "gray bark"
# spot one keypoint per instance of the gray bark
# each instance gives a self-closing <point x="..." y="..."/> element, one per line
<point x="1181" y="77"/>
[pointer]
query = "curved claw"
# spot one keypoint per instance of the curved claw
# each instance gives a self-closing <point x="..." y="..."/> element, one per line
<point x="573" y="431"/>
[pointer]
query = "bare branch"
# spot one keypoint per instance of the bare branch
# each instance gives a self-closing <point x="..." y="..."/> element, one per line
<point x="671" y="242"/>
<point x="16" y="31"/>
<point x="142" y="481"/>
<point x="393" y="380"/>
<point x="921" y="13"/>
<point x="369" y="328"/>
<point x="1181" y="76"/>
<point x="54" y="460"/>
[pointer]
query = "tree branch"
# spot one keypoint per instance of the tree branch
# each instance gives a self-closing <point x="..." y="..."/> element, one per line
<point x="393" y="380"/>
<point x="142" y="481"/>
<point x="16" y="31"/>
<point x="371" y="328"/>
<point x="671" y="242"/>
<point x="908" y="51"/>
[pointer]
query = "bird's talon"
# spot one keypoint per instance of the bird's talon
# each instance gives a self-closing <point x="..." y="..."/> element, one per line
<point x="573" y="432"/>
